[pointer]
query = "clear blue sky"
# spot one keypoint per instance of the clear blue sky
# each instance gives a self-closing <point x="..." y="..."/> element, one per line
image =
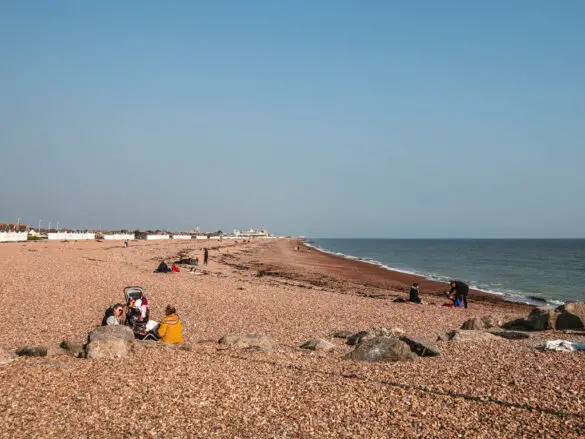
<point x="317" y="118"/>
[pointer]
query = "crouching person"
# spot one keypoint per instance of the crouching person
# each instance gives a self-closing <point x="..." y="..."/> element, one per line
<point x="170" y="329"/>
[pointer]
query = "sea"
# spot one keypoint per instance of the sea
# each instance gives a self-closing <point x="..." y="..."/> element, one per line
<point x="534" y="271"/>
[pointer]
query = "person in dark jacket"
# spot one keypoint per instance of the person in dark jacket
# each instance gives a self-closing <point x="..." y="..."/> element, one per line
<point x="414" y="294"/>
<point x="459" y="290"/>
<point x="205" y="256"/>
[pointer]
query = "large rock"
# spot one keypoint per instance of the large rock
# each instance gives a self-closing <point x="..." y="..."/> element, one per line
<point x="6" y="356"/>
<point x="518" y="325"/>
<point x="362" y="336"/>
<point x="467" y="335"/>
<point x="112" y="348"/>
<point x="478" y="324"/>
<point x="422" y="348"/>
<point x="382" y="349"/>
<point x="318" y="345"/>
<point x="541" y="319"/>
<point x="252" y="341"/>
<point x="571" y="315"/>
<point x="111" y="332"/>
<point x="474" y="324"/>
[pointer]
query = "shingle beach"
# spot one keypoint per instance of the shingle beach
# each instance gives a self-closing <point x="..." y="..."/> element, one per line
<point x="54" y="291"/>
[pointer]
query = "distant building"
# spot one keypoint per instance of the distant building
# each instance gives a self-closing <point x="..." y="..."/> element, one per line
<point x="8" y="227"/>
<point x="251" y="233"/>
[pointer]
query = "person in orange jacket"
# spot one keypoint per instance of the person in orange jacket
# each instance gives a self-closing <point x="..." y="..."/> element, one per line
<point x="170" y="329"/>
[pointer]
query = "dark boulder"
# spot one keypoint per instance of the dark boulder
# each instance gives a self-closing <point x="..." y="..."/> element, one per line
<point x="32" y="351"/>
<point x="382" y="349"/>
<point x="571" y="315"/>
<point x="542" y="319"/>
<point x="354" y="339"/>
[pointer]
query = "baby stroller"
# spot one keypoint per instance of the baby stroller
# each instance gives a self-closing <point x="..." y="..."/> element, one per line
<point x="137" y="313"/>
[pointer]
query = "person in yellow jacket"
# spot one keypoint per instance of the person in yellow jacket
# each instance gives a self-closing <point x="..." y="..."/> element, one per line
<point x="170" y="329"/>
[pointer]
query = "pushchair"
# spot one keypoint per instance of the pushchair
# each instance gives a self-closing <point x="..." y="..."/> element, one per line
<point x="137" y="318"/>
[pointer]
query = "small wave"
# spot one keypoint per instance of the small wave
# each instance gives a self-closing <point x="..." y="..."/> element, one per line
<point x="507" y="295"/>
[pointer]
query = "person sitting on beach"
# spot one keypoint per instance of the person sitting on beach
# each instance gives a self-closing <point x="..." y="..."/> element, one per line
<point x="113" y="315"/>
<point x="460" y="290"/>
<point x="414" y="294"/>
<point x="170" y="329"/>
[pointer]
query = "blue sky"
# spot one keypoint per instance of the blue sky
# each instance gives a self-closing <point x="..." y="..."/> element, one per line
<point x="324" y="119"/>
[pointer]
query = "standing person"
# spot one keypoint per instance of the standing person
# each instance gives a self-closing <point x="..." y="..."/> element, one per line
<point x="205" y="256"/>
<point x="460" y="290"/>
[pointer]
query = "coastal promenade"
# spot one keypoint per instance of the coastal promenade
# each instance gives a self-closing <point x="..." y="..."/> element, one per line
<point x="53" y="291"/>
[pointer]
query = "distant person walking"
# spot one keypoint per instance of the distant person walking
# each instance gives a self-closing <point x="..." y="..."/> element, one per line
<point x="460" y="291"/>
<point x="205" y="256"/>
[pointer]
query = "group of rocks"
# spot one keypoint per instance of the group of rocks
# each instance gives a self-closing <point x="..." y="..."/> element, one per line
<point x="570" y="316"/>
<point x="373" y="345"/>
<point x="112" y="341"/>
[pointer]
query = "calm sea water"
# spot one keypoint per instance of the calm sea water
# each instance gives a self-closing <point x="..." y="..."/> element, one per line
<point x="520" y="269"/>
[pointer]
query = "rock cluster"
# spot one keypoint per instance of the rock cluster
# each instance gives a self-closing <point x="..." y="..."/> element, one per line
<point x="570" y="316"/>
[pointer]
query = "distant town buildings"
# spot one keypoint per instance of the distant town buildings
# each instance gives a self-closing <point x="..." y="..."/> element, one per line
<point x="11" y="232"/>
<point x="8" y="227"/>
<point x="251" y="233"/>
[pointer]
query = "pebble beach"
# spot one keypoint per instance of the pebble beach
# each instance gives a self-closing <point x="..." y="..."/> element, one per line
<point x="54" y="291"/>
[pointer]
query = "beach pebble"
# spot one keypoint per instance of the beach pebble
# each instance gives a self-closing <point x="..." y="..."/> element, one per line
<point x="250" y="340"/>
